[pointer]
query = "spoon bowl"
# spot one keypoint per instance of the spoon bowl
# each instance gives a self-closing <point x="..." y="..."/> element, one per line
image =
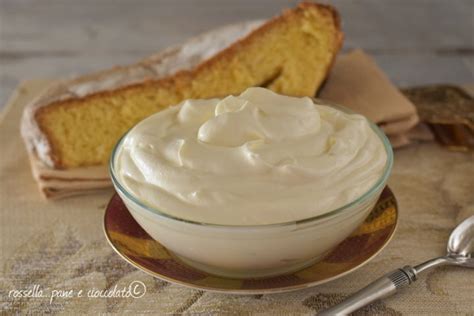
<point x="460" y="250"/>
<point x="461" y="240"/>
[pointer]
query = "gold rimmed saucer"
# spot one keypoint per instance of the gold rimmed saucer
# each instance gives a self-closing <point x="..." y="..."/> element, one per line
<point x="134" y="245"/>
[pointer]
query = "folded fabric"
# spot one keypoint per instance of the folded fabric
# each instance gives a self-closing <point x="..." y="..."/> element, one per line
<point x="55" y="184"/>
<point x="355" y="82"/>
<point x="359" y="84"/>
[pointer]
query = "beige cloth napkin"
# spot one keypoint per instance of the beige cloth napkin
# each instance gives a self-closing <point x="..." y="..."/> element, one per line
<point x="355" y="81"/>
<point x="60" y="245"/>
<point x="56" y="184"/>
<point x="358" y="83"/>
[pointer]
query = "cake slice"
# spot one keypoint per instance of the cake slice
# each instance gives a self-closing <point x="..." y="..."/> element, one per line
<point x="76" y="123"/>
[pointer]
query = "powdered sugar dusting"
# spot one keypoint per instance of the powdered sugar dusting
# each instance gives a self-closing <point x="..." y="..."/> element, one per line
<point x="163" y="64"/>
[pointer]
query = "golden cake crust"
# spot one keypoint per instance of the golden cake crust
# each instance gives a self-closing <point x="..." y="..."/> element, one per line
<point x="172" y="68"/>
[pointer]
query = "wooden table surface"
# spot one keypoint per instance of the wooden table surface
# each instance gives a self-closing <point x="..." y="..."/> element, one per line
<point x="415" y="41"/>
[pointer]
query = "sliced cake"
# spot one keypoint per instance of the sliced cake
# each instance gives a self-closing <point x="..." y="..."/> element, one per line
<point x="76" y="123"/>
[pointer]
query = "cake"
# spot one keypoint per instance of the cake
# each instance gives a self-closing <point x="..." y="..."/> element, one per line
<point x="76" y="123"/>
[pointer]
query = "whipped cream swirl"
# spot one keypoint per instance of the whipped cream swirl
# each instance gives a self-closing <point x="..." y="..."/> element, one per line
<point x="253" y="159"/>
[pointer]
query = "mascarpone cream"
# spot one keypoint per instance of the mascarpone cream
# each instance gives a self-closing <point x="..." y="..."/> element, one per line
<point x="253" y="159"/>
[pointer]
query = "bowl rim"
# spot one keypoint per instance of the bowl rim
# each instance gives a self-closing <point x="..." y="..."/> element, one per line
<point x="378" y="186"/>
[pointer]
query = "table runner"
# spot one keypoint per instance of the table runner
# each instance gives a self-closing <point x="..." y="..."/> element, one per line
<point x="56" y="246"/>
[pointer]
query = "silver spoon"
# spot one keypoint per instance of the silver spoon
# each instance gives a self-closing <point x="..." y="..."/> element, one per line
<point x="460" y="253"/>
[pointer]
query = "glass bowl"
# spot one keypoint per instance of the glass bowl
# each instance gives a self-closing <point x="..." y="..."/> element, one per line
<point x="260" y="250"/>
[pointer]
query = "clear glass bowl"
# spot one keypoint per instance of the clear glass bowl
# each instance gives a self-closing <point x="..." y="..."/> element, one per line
<point x="255" y="251"/>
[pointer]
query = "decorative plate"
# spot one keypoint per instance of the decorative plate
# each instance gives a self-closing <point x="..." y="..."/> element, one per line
<point x="134" y="245"/>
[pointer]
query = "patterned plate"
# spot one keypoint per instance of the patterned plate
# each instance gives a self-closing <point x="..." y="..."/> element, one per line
<point x="133" y="244"/>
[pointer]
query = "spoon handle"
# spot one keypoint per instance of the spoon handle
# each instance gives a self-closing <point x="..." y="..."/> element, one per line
<point x="383" y="287"/>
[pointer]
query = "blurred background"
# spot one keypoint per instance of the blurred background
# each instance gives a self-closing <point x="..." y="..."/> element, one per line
<point x="415" y="41"/>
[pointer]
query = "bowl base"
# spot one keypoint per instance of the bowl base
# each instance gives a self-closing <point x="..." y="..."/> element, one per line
<point x="249" y="273"/>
